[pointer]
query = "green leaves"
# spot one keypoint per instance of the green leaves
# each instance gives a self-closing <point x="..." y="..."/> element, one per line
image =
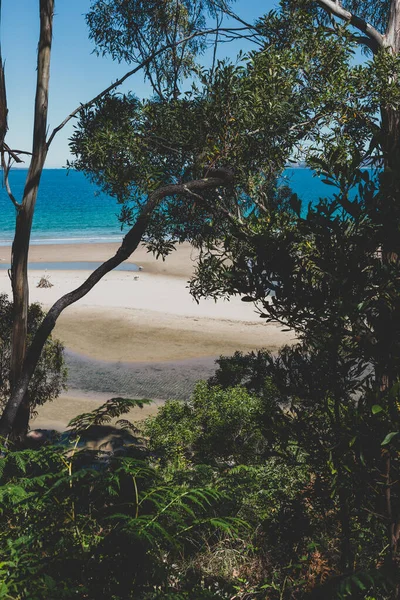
<point x="87" y="523"/>
<point x="389" y="438"/>
<point x="162" y="36"/>
<point x="50" y="375"/>
<point x="222" y="424"/>
<point x="115" y="407"/>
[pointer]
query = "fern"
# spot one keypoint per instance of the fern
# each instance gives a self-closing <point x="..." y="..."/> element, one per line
<point x="113" y="408"/>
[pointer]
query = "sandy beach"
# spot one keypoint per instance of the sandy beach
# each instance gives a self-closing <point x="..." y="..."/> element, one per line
<point x="139" y="317"/>
<point x="178" y="264"/>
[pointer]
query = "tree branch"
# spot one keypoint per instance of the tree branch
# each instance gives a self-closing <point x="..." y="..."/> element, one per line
<point x="337" y="10"/>
<point x="218" y="177"/>
<point x="6" y="170"/>
<point x="120" y="81"/>
<point x="3" y="97"/>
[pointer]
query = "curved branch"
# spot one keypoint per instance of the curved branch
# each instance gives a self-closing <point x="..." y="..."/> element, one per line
<point x="219" y="177"/>
<point x="337" y="10"/>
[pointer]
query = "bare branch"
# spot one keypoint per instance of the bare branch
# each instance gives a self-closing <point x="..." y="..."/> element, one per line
<point x="377" y="40"/>
<point x="363" y="40"/>
<point x="3" y="98"/>
<point x="14" y="153"/>
<point x="214" y="59"/>
<point x="6" y="170"/>
<point x="246" y="24"/>
<point x="3" y="105"/>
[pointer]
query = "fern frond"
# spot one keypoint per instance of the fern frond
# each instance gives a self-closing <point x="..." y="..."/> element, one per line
<point x="113" y="408"/>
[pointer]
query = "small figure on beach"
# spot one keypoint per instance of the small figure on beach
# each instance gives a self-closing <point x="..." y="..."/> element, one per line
<point x="44" y="282"/>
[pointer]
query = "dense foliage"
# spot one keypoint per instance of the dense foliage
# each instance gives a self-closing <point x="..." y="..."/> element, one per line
<point x="213" y="502"/>
<point x="328" y="271"/>
<point x="280" y="477"/>
<point x="104" y="524"/>
<point x="50" y="377"/>
<point x="289" y="482"/>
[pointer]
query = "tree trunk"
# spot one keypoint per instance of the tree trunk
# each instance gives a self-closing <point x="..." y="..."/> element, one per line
<point x="20" y="289"/>
<point x="388" y="320"/>
<point x="388" y="330"/>
<point x="20" y="249"/>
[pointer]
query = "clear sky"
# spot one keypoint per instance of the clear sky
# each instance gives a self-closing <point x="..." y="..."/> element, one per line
<point x="76" y="73"/>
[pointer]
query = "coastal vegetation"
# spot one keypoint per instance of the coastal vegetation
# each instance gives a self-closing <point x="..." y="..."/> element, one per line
<point x="279" y="478"/>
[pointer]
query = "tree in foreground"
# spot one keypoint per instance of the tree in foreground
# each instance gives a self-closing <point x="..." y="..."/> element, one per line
<point x="166" y="53"/>
<point x="330" y="272"/>
<point x="82" y="523"/>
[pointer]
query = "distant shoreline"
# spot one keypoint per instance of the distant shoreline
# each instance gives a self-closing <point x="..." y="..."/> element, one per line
<point x="70" y="266"/>
<point x="5" y="243"/>
<point x="73" y="210"/>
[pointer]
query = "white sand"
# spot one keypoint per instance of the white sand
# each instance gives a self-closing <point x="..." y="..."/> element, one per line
<point x="149" y="318"/>
<point x="57" y="414"/>
<point x="152" y="318"/>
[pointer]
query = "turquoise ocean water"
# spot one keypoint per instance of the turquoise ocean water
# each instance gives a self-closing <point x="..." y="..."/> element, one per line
<point x="70" y="209"/>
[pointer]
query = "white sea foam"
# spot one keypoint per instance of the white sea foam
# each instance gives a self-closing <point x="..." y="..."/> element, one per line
<point x="70" y="240"/>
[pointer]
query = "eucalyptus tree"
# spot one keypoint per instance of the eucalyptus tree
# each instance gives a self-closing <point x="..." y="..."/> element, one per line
<point x="379" y="23"/>
<point x="165" y="53"/>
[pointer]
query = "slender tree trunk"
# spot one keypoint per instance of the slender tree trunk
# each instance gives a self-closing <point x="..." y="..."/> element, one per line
<point x="20" y="289"/>
<point x="388" y="321"/>
<point x="20" y="249"/>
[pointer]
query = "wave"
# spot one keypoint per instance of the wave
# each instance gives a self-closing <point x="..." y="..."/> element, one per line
<point x="39" y="241"/>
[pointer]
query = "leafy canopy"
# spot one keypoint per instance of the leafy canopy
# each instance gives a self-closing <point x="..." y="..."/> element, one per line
<point x="135" y="31"/>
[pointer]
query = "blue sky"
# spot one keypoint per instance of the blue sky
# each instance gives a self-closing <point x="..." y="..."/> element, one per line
<point x="76" y="73"/>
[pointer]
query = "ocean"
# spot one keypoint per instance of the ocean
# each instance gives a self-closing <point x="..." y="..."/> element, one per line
<point x="70" y="209"/>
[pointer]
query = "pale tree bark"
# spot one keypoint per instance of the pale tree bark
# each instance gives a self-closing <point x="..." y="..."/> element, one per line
<point x="373" y="38"/>
<point x="20" y="247"/>
<point x="392" y="34"/>
<point x="215" y="179"/>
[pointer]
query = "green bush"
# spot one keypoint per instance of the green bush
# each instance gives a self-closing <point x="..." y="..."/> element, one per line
<point x="50" y="375"/>
<point x="83" y="524"/>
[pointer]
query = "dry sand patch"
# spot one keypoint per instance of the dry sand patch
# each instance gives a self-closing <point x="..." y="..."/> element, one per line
<point x="57" y="414"/>
<point x="146" y="336"/>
